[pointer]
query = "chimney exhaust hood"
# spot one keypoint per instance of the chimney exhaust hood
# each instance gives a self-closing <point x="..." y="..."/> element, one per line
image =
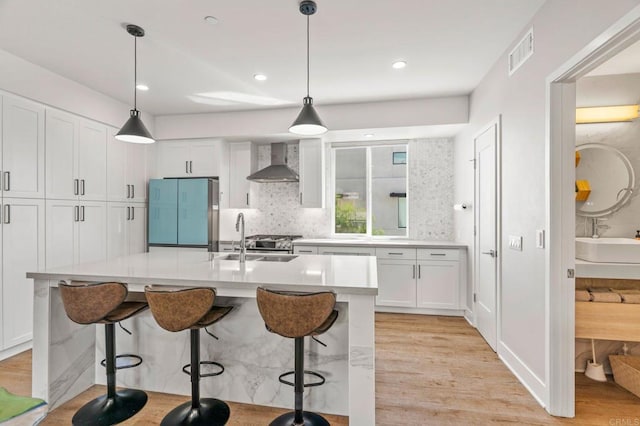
<point x="278" y="171"/>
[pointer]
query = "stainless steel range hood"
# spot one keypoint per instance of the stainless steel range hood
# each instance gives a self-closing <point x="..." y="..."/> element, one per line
<point x="278" y="171"/>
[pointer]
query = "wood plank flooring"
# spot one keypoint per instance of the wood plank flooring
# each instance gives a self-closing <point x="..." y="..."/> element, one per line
<point x="429" y="371"/>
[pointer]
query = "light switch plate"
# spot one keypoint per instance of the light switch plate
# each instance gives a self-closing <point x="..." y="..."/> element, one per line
<point x="515" y="242"/>
<point x="540" y="238"/>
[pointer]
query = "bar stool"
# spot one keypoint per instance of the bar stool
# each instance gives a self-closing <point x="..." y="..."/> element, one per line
<point x="191" y="308"/>
<point x="296" y="315"/>
<point x="104" y="303"/>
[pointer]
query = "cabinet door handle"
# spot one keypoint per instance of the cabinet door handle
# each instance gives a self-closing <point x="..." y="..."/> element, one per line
<point x="492" y="253"/>
<point x="190" y="166"/>
<point x="437" y="254"/>
<point x="247" y="198"/>
<point x="419" y="271"/>
<point x="395" y="254"/>
<point x="128" y="191"/>
<point x="7" y="213"/>
<point x="76" y="216"/>
<point x="81" y="186"/>
<point x="414" y="271"/>
<point x="76" y="186"/>
<point x="82" y="214"/>
<point x="301" y="198"/>
<point x="7" y="181"/>
<point x="186" y="167"/>
<point x="133" y="213"/>
<point x="133" y="191"/>
<point x="305" y="251"/>
<point x="128" y="213"/>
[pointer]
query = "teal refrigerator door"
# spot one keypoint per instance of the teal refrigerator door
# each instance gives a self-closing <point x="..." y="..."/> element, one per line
<point x="193" y="212"/>
<point x="163" y="211"/>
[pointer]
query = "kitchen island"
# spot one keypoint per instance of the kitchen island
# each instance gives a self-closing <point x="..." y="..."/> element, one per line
<point x="66" y="355"/>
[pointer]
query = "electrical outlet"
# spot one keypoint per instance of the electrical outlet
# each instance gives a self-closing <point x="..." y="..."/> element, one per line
<point x="515" y="242"/>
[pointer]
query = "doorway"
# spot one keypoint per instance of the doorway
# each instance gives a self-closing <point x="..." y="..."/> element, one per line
<point x="487" y="231"/>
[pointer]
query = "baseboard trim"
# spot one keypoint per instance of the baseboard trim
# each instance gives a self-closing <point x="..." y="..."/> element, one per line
<point x="528" y="378"/>
<point x="15" y="350"/>
<point x="421" y="311"/>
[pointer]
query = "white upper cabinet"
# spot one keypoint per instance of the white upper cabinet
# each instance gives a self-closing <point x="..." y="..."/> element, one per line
<point x="76" y="160"/>
<point x="22" y="148"/>
<point x="242" y="162"/>
<point x="196" y="158"/>
<point x="312" y="173"/>
<point x="127" y="170"/>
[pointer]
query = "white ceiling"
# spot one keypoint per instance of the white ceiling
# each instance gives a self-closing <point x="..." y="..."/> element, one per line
<point x="449" y="47"/>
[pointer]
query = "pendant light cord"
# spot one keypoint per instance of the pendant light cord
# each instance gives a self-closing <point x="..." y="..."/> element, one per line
<point x="135" y="72"/>
<point x="307" y="56"/>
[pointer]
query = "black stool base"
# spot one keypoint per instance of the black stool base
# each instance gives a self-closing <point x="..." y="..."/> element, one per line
<point x="212" y="412"/>
<point x="104" y="411"/>
<point x="310" y="419"/>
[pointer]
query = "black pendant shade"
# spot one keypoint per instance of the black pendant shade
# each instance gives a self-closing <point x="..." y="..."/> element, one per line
<point x="134" y="130"/>
<point x="308" y="122"/>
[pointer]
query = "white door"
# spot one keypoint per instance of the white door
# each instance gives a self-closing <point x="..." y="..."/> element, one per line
<point x="486" y="249"/>
<point x="117" y="168"/>
<point x="22" y="148"/>
<point x="23" y="251"/>
<point x="92" y="232"/>
<point x="60" y="140"/>
<point x="396" y="283"/>
<point x="92" y="161"/>
<point x="62" y="217"/>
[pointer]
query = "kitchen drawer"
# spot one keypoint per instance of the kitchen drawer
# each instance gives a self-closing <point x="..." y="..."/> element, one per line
<point x="305" y="250"/>
<point x="438" y="254"/>
<point x="226" y="247"/>
<point x="347" y="251"/>
<point x="396" y="253"/>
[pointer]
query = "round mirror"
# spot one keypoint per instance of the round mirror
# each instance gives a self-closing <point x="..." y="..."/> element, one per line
<point x="610" y="177"/>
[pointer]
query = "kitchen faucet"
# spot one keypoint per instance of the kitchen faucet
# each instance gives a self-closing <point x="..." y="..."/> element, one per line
<point x="243" y="246"/>
<point x="595" y="226"/>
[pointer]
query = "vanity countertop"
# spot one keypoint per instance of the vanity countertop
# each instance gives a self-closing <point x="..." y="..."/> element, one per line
<point x="378" y="242"/>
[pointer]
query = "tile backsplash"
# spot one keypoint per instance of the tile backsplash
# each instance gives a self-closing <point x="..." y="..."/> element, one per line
<point x="277" y="210"/>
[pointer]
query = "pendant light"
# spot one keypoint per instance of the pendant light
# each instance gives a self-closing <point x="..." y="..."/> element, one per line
<point x="308" y="122"/>
<point x="134" y="130"/>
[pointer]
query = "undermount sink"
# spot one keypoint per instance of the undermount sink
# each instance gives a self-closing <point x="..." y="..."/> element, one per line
<point x="278" y="258"/>
<point x="608" y="250"/>
<point x="236" y="256"/>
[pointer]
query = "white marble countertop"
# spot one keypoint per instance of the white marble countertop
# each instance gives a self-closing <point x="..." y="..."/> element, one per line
<point x="378" y="242"/>
<point x="342" y="274"/>
<point x="585" y="269"/>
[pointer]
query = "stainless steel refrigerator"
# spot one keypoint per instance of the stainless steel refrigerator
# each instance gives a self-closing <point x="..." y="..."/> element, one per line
<point x="183" y="213"/>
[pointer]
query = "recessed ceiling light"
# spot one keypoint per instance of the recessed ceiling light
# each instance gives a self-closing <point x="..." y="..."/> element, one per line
<point x="399" y="64"/>
<point x="142" y="87"/>
<point x="260" y="77"/>
<point x="368" y="135"/>
<point x="211" y="20"/>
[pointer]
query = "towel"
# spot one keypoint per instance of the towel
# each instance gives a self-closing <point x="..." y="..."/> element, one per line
<point x="583" y="296"/>
<point x="12" y="405"/>
<point x="629" y="296"/>
<point x="604" y="295"/>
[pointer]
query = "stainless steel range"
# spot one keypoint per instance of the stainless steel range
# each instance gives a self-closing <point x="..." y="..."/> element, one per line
<point x="274" y="243"/>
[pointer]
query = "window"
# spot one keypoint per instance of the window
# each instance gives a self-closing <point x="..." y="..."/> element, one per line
<point x="370" y="184"/>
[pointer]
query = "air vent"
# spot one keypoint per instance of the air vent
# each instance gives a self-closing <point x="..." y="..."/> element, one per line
<point x="522" y="52"/>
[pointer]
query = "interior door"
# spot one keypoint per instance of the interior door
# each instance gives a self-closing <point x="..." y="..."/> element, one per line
<point x="486" y="254"/>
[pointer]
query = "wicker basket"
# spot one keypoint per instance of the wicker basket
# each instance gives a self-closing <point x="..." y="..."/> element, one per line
<point x="626" y="372"/>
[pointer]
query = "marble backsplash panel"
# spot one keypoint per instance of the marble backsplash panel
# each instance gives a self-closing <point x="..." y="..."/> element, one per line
<point x="277" y="210"/>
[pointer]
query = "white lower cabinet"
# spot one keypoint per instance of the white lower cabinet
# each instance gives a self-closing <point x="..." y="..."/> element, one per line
<point x="396" y="283"/>
<point x="22" y="251"/>
<point x="126" y="229"/>
<point x="76" y="232"/>
<point x="438" y="283"/>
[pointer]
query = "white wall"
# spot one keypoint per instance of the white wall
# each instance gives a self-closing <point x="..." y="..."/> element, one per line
<point x="561" y="29"/>
<point x="31" y="81"/>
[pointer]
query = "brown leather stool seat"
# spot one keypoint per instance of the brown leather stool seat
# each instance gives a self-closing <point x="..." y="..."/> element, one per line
<point x="104" y="303"/>
<point x="191" y="308"/>
<point x="296" y="315"/>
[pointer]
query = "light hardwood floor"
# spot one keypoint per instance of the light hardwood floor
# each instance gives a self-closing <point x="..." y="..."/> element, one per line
<point x="429" y="371"/>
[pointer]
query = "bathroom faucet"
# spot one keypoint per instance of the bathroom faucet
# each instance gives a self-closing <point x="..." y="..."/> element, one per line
<point x="595" y="226"/>
<point x="243" y="247"/>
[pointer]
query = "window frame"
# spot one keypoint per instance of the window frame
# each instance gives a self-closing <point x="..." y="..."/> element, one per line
<point x="332" y="187"/>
